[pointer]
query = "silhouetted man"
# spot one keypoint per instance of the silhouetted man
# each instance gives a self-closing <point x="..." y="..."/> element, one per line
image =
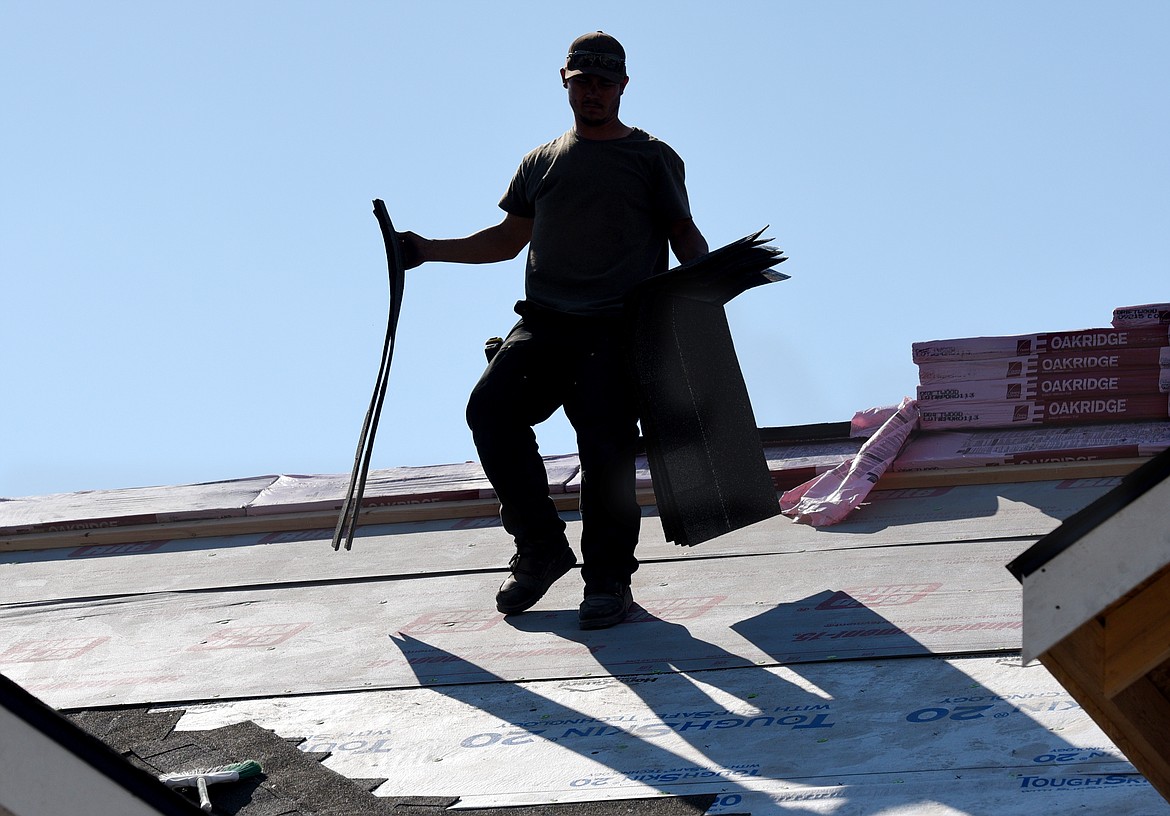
<point x="597" y="208"/>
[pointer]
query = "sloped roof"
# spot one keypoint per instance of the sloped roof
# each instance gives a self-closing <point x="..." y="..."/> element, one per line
<point x="868" y="667"/>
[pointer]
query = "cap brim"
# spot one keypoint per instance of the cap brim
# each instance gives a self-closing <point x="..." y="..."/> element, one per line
<point x="612" y="76"/>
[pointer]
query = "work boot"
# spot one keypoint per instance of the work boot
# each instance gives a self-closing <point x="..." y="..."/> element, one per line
<point x="530" y="579"/>
<point x="605" y="604"/>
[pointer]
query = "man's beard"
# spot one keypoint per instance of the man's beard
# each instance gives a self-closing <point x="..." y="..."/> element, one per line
<point x="596" y="117"/>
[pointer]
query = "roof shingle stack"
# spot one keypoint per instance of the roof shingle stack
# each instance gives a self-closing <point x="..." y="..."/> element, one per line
<point x="1111" y="374"/>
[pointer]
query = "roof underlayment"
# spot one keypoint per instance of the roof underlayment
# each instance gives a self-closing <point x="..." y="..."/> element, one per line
<point x="871" y="667"/>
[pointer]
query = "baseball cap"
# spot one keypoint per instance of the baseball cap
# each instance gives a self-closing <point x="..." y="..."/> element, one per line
<point x="596" y="53"/>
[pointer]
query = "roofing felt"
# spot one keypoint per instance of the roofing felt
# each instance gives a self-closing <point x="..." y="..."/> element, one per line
<point x="891" y="518"/>
<point x="869" y="667"/>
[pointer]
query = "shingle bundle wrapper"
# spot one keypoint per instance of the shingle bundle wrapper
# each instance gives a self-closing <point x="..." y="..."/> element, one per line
<point x="706" y="460"/>
<point x="831" y="496"/>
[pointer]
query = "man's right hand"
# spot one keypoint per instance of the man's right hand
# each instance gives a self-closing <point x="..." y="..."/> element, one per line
<point x="413" y="249"/>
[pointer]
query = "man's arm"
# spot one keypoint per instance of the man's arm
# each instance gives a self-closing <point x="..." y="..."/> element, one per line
<point x="499" y="243"/>
<point x="686" y="241"/>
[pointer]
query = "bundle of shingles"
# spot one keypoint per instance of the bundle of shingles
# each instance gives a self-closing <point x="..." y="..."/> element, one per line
<point x="706" y="460"/>
<point x="1114" y="374"/>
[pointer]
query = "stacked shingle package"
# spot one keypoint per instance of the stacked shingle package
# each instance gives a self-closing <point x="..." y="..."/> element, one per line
<point x="1112" y="374"/>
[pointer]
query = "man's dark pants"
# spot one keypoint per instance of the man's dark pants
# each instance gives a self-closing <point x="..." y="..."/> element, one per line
<point x="550" y="360"/>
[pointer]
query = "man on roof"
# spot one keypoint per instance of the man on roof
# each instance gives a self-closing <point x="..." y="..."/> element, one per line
<point x="597" y="208"/>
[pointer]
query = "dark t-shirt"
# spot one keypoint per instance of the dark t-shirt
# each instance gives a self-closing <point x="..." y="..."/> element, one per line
<point x="602" y="212"/>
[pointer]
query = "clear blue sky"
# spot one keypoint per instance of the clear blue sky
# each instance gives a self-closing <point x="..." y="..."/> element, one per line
<point x="194" y="286"/>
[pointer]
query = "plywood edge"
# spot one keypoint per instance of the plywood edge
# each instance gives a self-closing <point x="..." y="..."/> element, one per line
<point x="1005" y="474"/>
<point x="272" y="521"/>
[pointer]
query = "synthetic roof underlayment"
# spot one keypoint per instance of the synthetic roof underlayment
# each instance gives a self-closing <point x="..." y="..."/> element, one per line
<point x="871" y="667"/>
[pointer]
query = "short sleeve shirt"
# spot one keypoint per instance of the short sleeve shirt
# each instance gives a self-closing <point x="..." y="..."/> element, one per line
<point x="602" y="212"/>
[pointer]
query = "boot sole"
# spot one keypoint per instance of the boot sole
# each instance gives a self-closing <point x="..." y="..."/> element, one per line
<point x="604" y="623"/>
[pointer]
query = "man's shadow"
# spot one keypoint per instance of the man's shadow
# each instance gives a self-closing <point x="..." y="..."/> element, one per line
<point x="726" y="708"/>
<point x="526" y="716"/>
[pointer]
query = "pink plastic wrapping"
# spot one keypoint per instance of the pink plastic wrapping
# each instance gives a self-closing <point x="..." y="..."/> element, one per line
<point x="868" y="422"/>
<point x="830" y="497"/>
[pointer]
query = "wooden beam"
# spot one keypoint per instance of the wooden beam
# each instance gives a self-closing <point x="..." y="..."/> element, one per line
<point x="1078" y="662"/>
<point x="1004" y="474"/>
<point x="320" y="519"/>
<point x="1137" y="635"/>
<point x="274" y="522"/>
<point x="242" y="525"/>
